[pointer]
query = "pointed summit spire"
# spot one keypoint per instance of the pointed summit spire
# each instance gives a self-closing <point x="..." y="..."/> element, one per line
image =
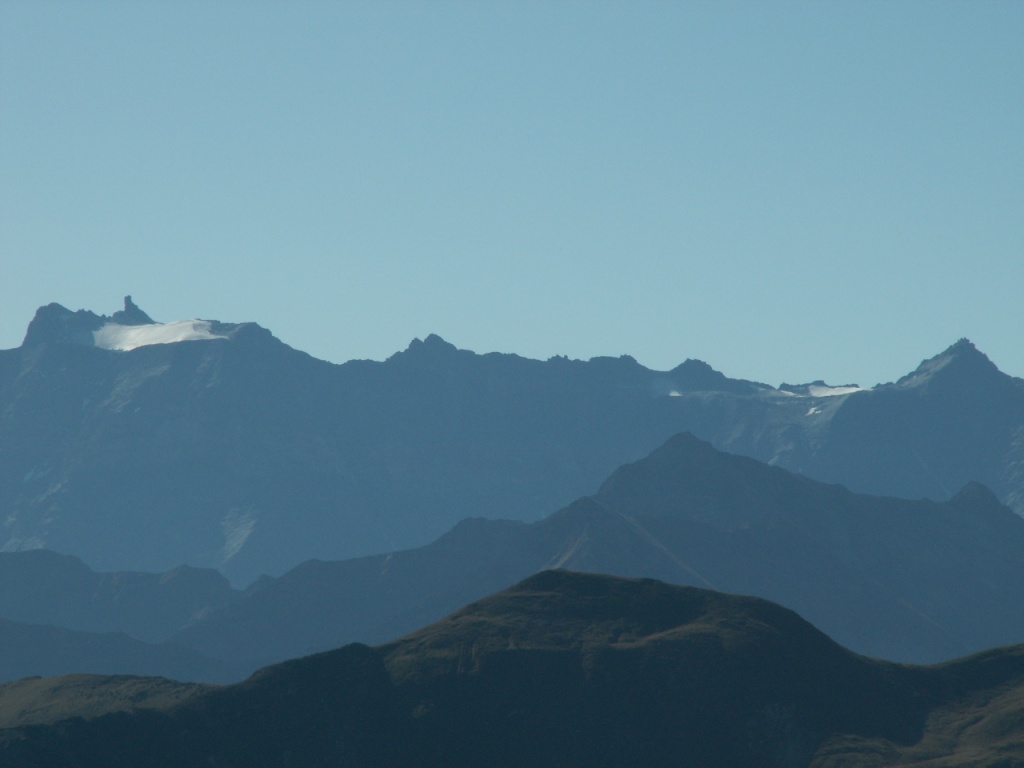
<point x="131" y="315"/>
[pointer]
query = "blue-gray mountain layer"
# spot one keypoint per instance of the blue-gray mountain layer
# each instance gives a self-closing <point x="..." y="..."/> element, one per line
<point x="227" y="449"/>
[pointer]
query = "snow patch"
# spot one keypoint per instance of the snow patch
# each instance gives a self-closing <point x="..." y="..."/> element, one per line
<point x="124" y="338"/>
<point x="22" y="544"/>
<point x="36" y="473"/>
<point x="236" y="526"/>
<point x="925" y="371"/>
<point x="817" y="390"/>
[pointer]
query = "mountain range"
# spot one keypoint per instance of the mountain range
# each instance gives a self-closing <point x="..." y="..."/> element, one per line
<point x="147" y="470"/>
<point x="912" y="581"/>
<point x="561" y="669"/>
<point x="141" y="446"/>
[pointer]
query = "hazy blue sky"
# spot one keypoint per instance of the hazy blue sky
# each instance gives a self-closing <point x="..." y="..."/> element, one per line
<point x="786" y="190"/>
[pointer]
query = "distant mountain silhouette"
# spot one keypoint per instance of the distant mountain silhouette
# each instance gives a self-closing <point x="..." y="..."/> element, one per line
<point x="905" y="580"/>
<point x="561" y="669"/>
<point x="141" y="446"/>
<point x="32" y="649"/>
<point x="42" y="587"/>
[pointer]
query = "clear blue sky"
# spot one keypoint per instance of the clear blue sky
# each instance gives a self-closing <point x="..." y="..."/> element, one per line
<point x="788" y="191"/>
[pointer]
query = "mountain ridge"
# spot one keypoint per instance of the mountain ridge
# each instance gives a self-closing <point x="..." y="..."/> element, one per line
<point x="562" y="668"/>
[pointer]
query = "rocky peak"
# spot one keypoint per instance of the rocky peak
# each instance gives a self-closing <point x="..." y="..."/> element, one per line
<point x="698" y="376"/>
<point x="431" y="347"/>
<point x="974" y="495"/>
<point x="961" y="364"/>
<point x="56" y="324"/>
<point x="131" y="315"/>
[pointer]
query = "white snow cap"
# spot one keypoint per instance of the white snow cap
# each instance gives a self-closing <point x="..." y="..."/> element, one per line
<point x="128" y="337"/>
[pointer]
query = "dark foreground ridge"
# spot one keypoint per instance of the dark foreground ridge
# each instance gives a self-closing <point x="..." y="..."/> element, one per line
<point x="561" y="669"/>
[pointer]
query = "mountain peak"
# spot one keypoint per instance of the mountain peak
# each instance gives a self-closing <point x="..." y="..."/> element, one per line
<point x="125" y="330"/>
<point x="436" y="342"/>
<point x="960" y="363"/>
<point x="55" y="323"/>
<point x="697" y="376"/>
<point x="975" y="495"/>
<point x="131" y="315"/>
<point x="544" y="609"/>
<point x="433" y="345"/>
<point x="964" y="349"/>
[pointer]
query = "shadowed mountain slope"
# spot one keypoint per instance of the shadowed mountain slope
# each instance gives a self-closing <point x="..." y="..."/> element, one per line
<point x="41" y="700"/>
<point x="562" y="669"/>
